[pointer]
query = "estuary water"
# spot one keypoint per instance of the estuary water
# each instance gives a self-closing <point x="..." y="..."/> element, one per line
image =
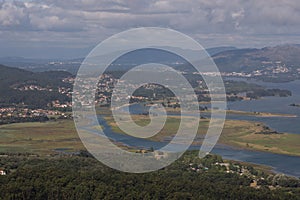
<point x="289" y="165"/>
<point x="273" y="105"/>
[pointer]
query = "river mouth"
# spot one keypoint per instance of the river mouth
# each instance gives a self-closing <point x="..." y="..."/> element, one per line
<point x="278" y="162"/>
<point x="285" y="164"/>
<point x="280" y="105"/>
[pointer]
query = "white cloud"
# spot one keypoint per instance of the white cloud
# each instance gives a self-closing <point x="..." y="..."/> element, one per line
<point x="232" y="22"/>
<point x="10" y="14"/>
<point x="193" y="15"/>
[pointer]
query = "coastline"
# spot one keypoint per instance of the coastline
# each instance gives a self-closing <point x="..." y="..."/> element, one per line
<point x="238" y="112"/>
<point x="71" y="143"/>
<point x="236" y="133"/>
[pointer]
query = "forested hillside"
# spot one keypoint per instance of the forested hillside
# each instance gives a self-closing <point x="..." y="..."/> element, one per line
<point x="18" y="86"/>
<point x="82" y="177"/>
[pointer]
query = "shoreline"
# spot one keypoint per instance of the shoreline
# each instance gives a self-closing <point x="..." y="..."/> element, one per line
<point x="75" y="145"/>
<point x="243" y="134"/>
<point x="239" y="112"/>
<point x="260" y="114"/>
<point x="243" y="146"/>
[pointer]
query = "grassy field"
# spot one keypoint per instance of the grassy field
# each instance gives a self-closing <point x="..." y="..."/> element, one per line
<point x="249" y="138"/>
<point x="238" y="112"/>
<point x="48" y="137"/>
<point x="41" y="138"/>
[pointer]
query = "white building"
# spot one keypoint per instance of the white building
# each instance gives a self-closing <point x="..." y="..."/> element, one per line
<point x="2" y="173"/>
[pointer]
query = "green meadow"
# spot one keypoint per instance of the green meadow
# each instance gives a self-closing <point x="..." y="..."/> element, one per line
<point x="40" y="138"/>
<point x="50" y="137"/>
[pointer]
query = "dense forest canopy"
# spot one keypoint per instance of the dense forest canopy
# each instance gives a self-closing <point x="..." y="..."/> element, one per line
<point x="83" y="177"/>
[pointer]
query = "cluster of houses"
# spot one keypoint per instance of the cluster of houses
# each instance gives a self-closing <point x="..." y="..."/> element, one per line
<point x="62" y="90"/>
<point x="103" y="93"/>
<point x="229" y="168"/>
<point x="267" y="68"/>
<point x="32" y="87"/>
<point x="22" y="112"/>
<point x="69" y="80"/>
<point x="58" y="104"/>
<point x="104" y="89"/>
<point x="11" y="112"/>
<point x="66" y="91"/>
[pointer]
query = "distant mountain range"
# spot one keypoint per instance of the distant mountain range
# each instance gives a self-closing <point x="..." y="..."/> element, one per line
<point x="39" y="65"/>
<point x="247" y="60"/>
<point x="228" y="59"/>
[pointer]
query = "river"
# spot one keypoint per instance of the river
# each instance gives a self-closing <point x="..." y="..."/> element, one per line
<point x="289" y="165"/>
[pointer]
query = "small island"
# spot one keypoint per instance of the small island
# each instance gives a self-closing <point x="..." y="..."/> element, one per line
<point x="294" y="105"/>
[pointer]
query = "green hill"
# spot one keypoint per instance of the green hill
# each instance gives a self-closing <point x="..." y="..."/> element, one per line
<point x="249" y="60"/>
<point x="44" y="87"/>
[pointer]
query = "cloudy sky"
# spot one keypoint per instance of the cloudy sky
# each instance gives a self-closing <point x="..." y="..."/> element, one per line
<point x="71" y="28"/>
